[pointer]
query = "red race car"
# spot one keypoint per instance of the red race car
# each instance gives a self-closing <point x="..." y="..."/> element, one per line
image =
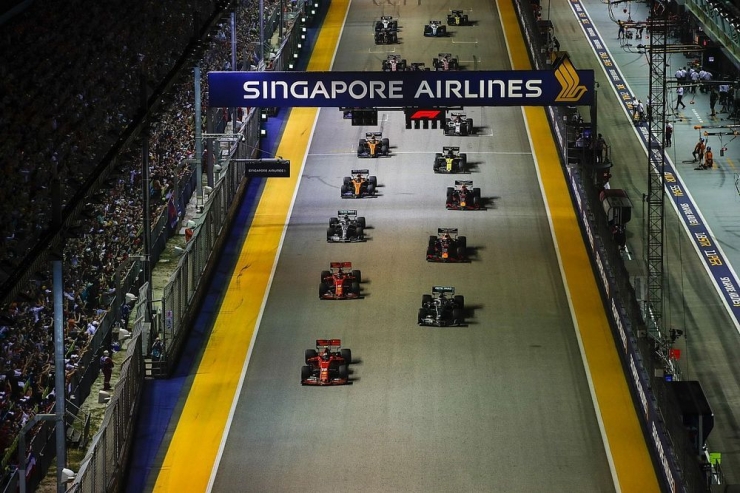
<point x="340" y="282"/>
<point x="327" y="364"/>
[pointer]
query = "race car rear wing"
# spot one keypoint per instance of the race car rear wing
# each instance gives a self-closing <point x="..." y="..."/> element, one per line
<point x="446" y="149"/>
<point x="445" y="55"/>
<point x="360" y="171"/>
<point x="347" y="212"/>
<point x="443" y="289"/>
<point x="342" y="265"/>
<point x="459" y="184"/>
<point x="377" y="135"/>
<point x="449" y="231"/>
<point x="321" y="343"/>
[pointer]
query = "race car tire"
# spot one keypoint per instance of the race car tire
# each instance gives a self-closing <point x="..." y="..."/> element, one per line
<point x="457" y="316"/>
<point x="465" y="20"/>
<point x="343" y="372"/>
<point x="450" y="191"/>
<point x="430" y="253"/>
<point x="346" y="355"/>
<point x="471" y="128"/>
<point x="461" y="253"/>
<point x="357" y="275"/>
<point x="360" y="233"/>
<point x="378" y="26"/>
<point x="346" y="180"/>
<point x="305" y="373"/>
<point x="329" y="235"/>
<point x="345" y="190"/>
<point x="432" y="241"/>
<point x="370" y="189"/>
<point x="325" y="274"/>
<point x="442" y="31"/>
<point x="385" y="143"/>
<point x="437" y="156"/>
<point x="460" y="301"/>
<point x="333" y="221"/>
<point x="372" y="180"/>
<point x="394" y="38"/>
<point x="454" y="64"/>
<point x="421" y="316"/>
<point x="463" y="160"/>
<point x="462" y="242"/>
<point x="356" y="288"/>
<point x="308" y="354"/>
<point x="361" y="222"/>
<point x="450" y="21"/>
<point x="476" y="192"/>
<point x="426" y="299"/>
<point x="323" y="289"/>
<point x="476" y="200"/>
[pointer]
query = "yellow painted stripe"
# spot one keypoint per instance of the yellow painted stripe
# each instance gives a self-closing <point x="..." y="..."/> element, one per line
<point x="631" y="460"/>
<point x="195" y="443"/>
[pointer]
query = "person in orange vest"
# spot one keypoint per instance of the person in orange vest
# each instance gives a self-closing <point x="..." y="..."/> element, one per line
<point x="708" y="159"/>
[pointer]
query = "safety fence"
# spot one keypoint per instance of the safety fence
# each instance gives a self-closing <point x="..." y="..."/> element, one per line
<point x="668" y="439"/>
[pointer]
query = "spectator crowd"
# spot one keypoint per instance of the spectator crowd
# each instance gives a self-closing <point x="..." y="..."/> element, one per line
<point x="70" y="85"/>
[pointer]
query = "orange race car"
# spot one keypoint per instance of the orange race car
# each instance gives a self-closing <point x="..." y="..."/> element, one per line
<point x="327" y="364"/>
<point x="360" y="184"/>
<point x="373" y="145"/>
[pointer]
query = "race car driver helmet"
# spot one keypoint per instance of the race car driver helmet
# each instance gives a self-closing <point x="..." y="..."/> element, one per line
<point x="326" y="355"/>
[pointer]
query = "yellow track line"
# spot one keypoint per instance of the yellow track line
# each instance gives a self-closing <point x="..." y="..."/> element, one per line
<point x="196" y="442"/>
<point x="625" y="441"/>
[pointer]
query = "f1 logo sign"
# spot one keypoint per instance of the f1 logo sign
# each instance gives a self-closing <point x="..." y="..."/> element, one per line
<point x="425" y="115"/>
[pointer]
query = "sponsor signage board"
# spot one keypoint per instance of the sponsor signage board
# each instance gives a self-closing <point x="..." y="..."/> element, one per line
<point x="563" y="86"/>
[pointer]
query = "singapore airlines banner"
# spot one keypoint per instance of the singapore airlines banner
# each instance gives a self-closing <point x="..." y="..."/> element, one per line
<point x="563" y="86"/>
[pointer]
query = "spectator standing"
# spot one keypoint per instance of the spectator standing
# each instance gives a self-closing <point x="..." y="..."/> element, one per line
<point x="694" y="78"/>
<point x="599" y="148"/>
<point x="106" y="366"/>
<point x="668" y="134"/>
<point x="679" y="98"/>
<point x="713" y="98"/>
<point x="620" y="33"/>
<point x="724" y="96"/>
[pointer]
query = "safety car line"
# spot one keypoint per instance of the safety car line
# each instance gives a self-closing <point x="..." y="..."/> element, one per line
<point x="197" y="443"/>
<point x="625" y="445"/>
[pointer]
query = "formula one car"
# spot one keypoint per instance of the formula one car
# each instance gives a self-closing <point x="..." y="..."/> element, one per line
<point x="360" y="184"/>
<point x="459" y="124"/>
<point x="450" y="160"/>
<point x="386" y="37"/>
<point x="394" y="63"/>
<point x="463" y="197"/>
<point x="445" y="62"/>
<point x="346" y="227"/>
<point x="327" y="364"/>
<point x="457" y="18"/>
<point x="418" y="66"/>
<point x="447" y="246"/>
<point x="442" y="308"/>
<point x="386" y="22"/>
<point x="340" y="282"/>
<point x="373" y="145"/>
<point x="435" y="29"/>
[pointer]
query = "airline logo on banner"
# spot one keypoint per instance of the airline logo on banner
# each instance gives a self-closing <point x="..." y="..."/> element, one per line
<point x="563" y="86"/>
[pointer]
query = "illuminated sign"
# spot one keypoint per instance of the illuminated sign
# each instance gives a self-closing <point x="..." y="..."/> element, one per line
<point x="563" y="86"/>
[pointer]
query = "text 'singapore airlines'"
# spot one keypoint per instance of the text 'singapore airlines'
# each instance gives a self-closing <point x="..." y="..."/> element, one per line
<point x="377" y="89"/>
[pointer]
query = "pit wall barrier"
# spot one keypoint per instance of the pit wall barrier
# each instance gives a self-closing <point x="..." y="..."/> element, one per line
<point x="670" y="447"/>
